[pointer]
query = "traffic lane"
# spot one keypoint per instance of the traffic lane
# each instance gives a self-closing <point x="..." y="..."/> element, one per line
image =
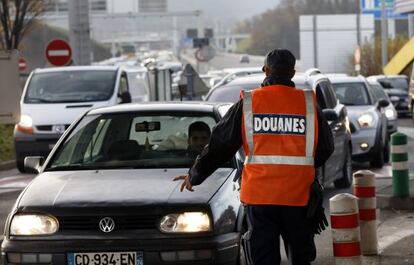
<point x="225" y="60"/>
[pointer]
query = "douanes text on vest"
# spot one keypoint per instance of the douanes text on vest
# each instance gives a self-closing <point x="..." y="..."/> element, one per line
<point x="279" y="124"/>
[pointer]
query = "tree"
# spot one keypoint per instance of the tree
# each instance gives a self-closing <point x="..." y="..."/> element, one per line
<point x="16" y="17"/>
<point x="371" y="60"/>
<point x="279" y="27"/>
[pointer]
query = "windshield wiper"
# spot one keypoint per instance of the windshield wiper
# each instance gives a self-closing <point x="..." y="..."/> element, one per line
<point x="348" y="103"/>
<point x="71" y="167"/>
<point x="42" y="100"/>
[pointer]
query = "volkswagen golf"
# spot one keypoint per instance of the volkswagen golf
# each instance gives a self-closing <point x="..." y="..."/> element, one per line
<point x="105" y="195"/>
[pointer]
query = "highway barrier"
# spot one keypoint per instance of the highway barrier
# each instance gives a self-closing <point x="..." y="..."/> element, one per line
<point x="364" y="190"/>
<point x="399" y="163"/>
<point x="345" y="229"/>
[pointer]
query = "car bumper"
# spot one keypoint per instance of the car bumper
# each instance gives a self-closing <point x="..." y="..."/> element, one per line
<point x="221" y="249"/>
<point x="34" y="144"/>
<point x="392" y="126"/>
<point x="402" y="108"/>
<point x="361" y="137"/>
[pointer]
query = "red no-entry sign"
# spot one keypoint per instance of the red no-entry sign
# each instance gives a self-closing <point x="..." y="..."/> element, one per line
<point x="22" y="65"/>
<point x="58" y="53"/>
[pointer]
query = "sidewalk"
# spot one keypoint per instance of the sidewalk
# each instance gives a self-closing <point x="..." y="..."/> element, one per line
<point x="5" y="165"/>
<point x="395" y="223"/>
<point x="385" y="199"/>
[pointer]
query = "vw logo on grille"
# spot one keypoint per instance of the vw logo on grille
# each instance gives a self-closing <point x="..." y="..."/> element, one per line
<point x="107" y="224"/>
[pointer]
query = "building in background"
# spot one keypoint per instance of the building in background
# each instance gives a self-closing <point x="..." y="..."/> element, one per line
<point x="327" y="41"/>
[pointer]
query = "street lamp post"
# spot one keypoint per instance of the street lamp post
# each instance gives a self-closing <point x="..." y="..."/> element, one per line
<point x="384" y="34"/>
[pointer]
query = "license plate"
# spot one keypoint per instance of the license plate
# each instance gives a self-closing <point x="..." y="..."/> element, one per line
<point x="106" y="258"/>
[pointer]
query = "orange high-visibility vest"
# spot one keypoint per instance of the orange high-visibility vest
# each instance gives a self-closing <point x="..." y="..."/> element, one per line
<point x="279" y="130"/>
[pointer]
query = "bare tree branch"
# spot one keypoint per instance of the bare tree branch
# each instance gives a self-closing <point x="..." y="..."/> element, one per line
<point x="16" y="17"/>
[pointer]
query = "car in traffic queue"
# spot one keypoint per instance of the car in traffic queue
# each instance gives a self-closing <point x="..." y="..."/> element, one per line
<point x="105" y="194"/>
<point x="233" y="73"/>
<point x="54" y="97"/>
<point x="338" y="168"/>
<point x="389" y="111"/>
<point x="396" y="86"/>
<point x="367" y="117"/>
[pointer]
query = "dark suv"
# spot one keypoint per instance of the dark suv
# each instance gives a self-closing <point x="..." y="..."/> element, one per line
<point x="338" y="168"/>
<point x="396" y="86"/>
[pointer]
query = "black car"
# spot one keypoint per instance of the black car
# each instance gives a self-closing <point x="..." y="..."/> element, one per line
<point x="105" y="194"/>
<point x="338" y="169"/>
<point x="397" y="88"/>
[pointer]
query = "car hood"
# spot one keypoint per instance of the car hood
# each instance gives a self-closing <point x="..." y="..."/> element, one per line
<point x="354" y="112"/>
<point x="111" y="188"/>
<point x="396" y="92"/>
<point x="58" y="114"/>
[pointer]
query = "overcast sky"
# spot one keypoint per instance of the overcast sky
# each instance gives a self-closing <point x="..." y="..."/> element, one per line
<point x="234" y="10"/>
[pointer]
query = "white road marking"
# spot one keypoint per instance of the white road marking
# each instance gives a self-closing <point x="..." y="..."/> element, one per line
<point x="388" y="241"/>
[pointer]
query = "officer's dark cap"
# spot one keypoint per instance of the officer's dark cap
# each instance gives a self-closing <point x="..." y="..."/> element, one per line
<point x="280" y="60"/>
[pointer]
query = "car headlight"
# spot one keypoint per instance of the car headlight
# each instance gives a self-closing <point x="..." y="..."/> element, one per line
<point x="33" y="225"/>
<point x="390" y="114"/>
<point x="188" y="222"/>
<point x="26" y="121"/>
<point x="366" y="121"/>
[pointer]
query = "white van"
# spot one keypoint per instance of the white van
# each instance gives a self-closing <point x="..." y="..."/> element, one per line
<point x="54" y="97"/>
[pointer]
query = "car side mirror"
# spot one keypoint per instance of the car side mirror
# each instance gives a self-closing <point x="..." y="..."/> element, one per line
<point x="383" y="103"/>
<point x="330" y="114"/>
<point x="125" y="97"/>
<point x="34" y="163"/>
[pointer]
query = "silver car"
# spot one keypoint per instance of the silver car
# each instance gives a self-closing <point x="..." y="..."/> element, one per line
<point x="338" y="168"/>
<point x="390" y="111"/>
<point x="367" y="119"/>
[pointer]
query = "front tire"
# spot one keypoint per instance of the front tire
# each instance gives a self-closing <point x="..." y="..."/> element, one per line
<point x="346" y="180"/>
<point x="20" y="165"/>
<point x="387" y="151"/>
<point x="379" y="159"/>
<point x="242" y="260"/>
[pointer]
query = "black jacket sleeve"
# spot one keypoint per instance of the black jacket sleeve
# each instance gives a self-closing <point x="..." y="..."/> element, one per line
<point x="325" y="146"/>
<point x="225" y="141"/>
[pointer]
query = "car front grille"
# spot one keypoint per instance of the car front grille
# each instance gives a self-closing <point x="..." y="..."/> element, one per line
<point x="48" y="128"/>
<point x="91" y="223"/>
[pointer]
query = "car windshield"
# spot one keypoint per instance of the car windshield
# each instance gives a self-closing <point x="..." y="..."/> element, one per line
<point x="379" y="91"/>
<point x="395" y="82"/>
<point x="229" y="93"/>
<point x="71" y="86"/>
<point x="351" y="94"/>
<point x="133" y="140"/>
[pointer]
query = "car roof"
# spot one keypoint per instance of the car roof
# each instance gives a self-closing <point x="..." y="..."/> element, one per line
<point x="77" y="68"/>
<point x="386" y="76"/>
<point x="258" y="79"/>
<point x="179" y="106"/>
<point x="242" y="69"/>
<point x="347" y="79"/>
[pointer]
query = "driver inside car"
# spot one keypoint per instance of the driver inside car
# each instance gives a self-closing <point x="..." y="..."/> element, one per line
<point x="198" y="137"/>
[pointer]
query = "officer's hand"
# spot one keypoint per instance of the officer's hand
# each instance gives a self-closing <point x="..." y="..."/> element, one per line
<point x="186" y="183"/>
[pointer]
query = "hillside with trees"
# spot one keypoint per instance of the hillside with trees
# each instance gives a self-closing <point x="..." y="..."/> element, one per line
<point x="279" y="27"/>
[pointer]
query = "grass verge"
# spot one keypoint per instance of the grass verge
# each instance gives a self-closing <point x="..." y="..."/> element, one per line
<point x="6" y="142"/>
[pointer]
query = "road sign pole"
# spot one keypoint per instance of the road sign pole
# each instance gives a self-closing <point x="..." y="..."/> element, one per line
<point x="411" y="25"/>
<point x="384" y="34"/>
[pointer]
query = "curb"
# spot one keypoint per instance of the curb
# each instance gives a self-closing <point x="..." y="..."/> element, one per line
<point x="389" y="202"/>
<point x="6" y="165"/>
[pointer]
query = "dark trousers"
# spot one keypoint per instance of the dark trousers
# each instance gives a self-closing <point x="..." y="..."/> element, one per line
<point x="267" y="223"/>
